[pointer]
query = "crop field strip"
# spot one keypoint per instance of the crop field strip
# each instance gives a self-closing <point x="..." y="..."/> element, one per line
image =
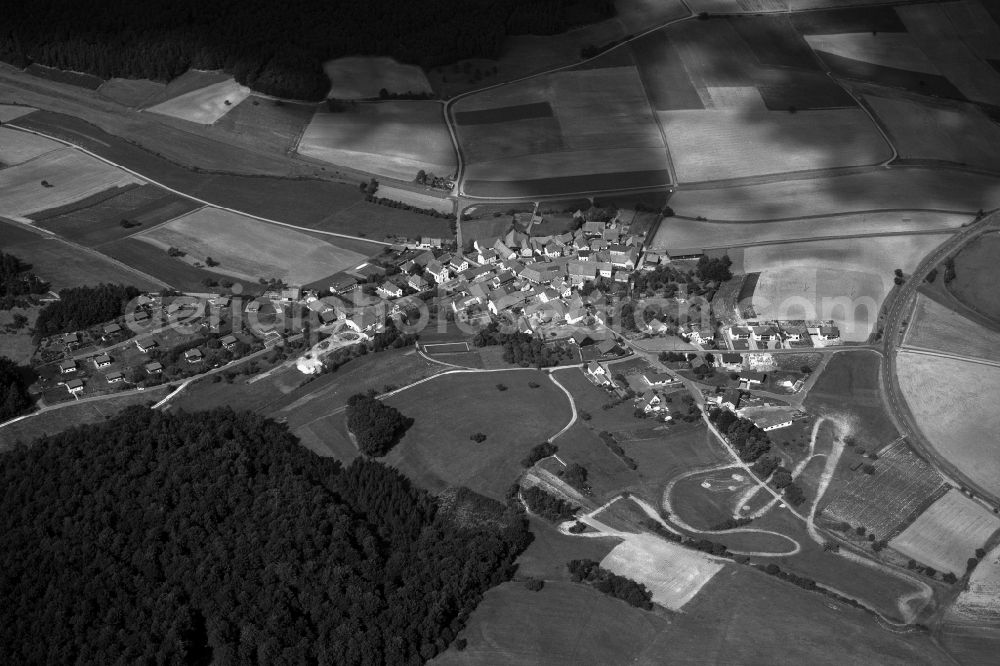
<point x="205" y="105"/>
<point x="268" y="123"/>
<point x="504" y="114"/>
<point x="941" y="394"/>
<point x="902" y="486"/>
<point x="19" y="147"/>
<point x="979" y="603"/>
<point x="947" y="534"/>
<point x="935" y="327"/>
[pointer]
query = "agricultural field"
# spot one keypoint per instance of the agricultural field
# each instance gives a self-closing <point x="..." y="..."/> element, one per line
<point x="947" y="534"/>
<point x="902" y="485"/>
<point x="267" y="123"/>
<point x="720" y="144"/>
<point x="417" y="199"/>
<point x="959" y="416"/>
<point x="935" y="327"/>
<point x="843" y="280"/>
<point x="902" y="188"/>
<point x="678" y="233"/>
<point x="166" y="270"/>
<point x="363" y="77"/>
<point x="17" y="147"/>
<point x="672" y="573"/>
<point x="638" y="15"/>
<point x="391" y="139"/>
<point x="978" y="603"/>
<point x="580" y="124"/>
<point x="848" y="391"/>
<point x="64" y="265"/>
<point x="437" y="451"/>
<point x="205" y="105"/>
<point x="70" y="174"/>
<point x="977" y="273"/>
<point x="133" y="93"/>
<point x="896" y="50"/>
<point x="93" y="225"/>
<point x="930" y="130"/>
<point x="248" y="249"/>
<point x="550" y="550"/>
<point x="9" y="112"/>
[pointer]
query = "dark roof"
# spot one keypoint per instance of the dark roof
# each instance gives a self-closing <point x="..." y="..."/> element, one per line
<point x="732" y="358"/>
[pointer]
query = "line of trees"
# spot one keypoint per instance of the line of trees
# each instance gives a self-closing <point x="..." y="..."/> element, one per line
<point x="216" y="538"/>
<point x="619" y="587"/>
<point x="80" y="307"/>
<point x="537" y="452"/>
<point x="546" y="505"/>
<point x="272" y="47"/>
<point x="749" y="441"/>
<point x="376" y="426"/>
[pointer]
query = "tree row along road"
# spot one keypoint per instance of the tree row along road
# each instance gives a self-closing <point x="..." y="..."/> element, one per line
<point x="900" y="308"/>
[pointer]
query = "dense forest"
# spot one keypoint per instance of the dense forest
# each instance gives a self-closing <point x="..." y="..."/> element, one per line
<point x="215" y="538"/>
<point x="14" y="383"/>
<point x="80" y="307"/>
<point x="272" y="47"/>
<point x="17" y="281"/>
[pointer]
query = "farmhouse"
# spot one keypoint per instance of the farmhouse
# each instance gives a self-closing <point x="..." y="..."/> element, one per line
<point x="74" y="385"/>
<point x="458" y="263"/>
<point x="504" y="253"/>
<point x="343" y="284"/>
<point x="69" y="339"/>
<point x="657" y="378"/>
<point x="597" y="374"/>
<point x="650" y="402"/>
<point x="228" y="341"/>
<point x="417" y="282"/>
<point x="731" y="399"/>
<point x="389" y="290"/>
<point x="438" y="271"/>
<point x="772" y="421"/>
<point x="154" y="368"/>
<point x="145" y="345"/>
<point x="193" y="355"/>
<point x="115" y="377"/>
<point x="67" y="366"/>
<point x="609" y="348"/>
<point x="102" y="361"/>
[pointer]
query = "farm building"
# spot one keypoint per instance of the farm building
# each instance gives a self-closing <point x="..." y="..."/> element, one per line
<point x="74" y="385"/>
<point x="67" y="366"/>
<point x="773" y="421"/>
<point x="343" y="284"/>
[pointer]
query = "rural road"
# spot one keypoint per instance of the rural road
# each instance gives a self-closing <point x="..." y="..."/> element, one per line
<point x="900" y="309"/>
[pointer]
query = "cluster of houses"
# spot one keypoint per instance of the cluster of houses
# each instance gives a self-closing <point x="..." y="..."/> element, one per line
<point x="764" y="334"/>
<point x="652" y="400"/>
<point x="764" y="414"/>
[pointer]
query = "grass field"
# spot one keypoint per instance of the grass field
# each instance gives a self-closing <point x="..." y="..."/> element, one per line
<point x="849" y="386"/>
<point x="249" y="249"/>
<point x="100" y="223"/>
<point x="734" y="143"/>
<point x="976" y="274"/>
<point x="391" y="139"/>
<point x="268" y="123"/>
<point x="933" y="326"/>
<point x="29" y="429"/>
<point x="132" y="93"/>
<point x="362" y="77"/>
<point x="704" y="508"/>
<point x="437" y="451"/>
<point x="17" y="147"/>
<point x="64" y="265"/>
<point x="672" y="573"/>
<point x="904" y="189"/>
<point x="901" y="485"/>
<point x="958" y="416"/>
<point x="10" y="112"/>
<point x="550" y="550"/>
<point x="929" y="130"/>
<point x="889" y="49"/>
<point x="204" y="105"/>
<point x="71" y="174"/>
<point x="155" y="262"/>
<point x="418" y="199"/>
<point x="676" y="232"/>
<point x="844" y="280"/>
<point x="947" y="534"/>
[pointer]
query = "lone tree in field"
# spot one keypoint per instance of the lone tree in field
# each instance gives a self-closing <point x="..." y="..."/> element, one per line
<point x="376" y="426"/>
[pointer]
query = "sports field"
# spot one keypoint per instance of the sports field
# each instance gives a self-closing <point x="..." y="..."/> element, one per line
<point x="844" y="280"/>
<point x="70" y="174"/>
<point x="249" y="249"/>
<point x="205" y="105"/>
<point x="977" y="272"/>
<point x="672" y="573"/>
<point x="947" y="534"/>
<point x="933" y="326"/>
<point x="393" y="139"/>
<point x="902" y="188"/>
<point x="437" y="451"/>
<point x="733" y="143"/>
<point x="930" y="130"/>
<point x="363" y="77"/>
<point x="675" y="232"/>
<point x="17" y="147"/>
<point x="959" y="416"/>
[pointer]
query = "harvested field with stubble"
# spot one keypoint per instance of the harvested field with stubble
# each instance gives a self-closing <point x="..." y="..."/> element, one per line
<point x="394" y="139"/>
<point x="72" y="176"/>
<point x="889" y="49"/>
<point x="901" y="188"/>
<point x="672" y="573"/>
<point x="931" y="130"/>
<point x="947" y="534"/>
<point x="934" y="326"/>
<point x="721" y="144"/>
<point x="980" y="602"/>
<point x="977" y="272"/>
<point x="248" y="249"/>
<point x="954" y="404"/>
<point x="204" y="105"/>
<point x="677" y="232"/>
<point x="17" y="147"/>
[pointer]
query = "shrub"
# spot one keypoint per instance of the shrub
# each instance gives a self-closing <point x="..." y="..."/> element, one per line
<point x="478" y="437"/>
<point x="534" y="584"/>
<point x="501" y="387"/>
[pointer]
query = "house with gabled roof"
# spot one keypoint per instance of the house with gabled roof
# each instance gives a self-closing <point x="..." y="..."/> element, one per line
<point x="731" y="399"/>
<point x="146" y="345"/>
<point x="650" y="402"/>
<point x="438" y="271"/>
<point x="67" y="366"/>
<point x="193" y="355"/>
<point x="458" y="263"/>
<point x="504" y="253"/>
<point x="102" y="361"/>
<point x="597" y="373"/>
<point x="389" y="290"/>
<point x="593" y="228"/>
<point x="417" y="282"/>
<point x="74" y="385"/>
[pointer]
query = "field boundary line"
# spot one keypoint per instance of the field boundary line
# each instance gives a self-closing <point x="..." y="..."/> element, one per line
<point x="798" y="218"/>
<point x="956" y="357"/>
<point x="191" y="197"/>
